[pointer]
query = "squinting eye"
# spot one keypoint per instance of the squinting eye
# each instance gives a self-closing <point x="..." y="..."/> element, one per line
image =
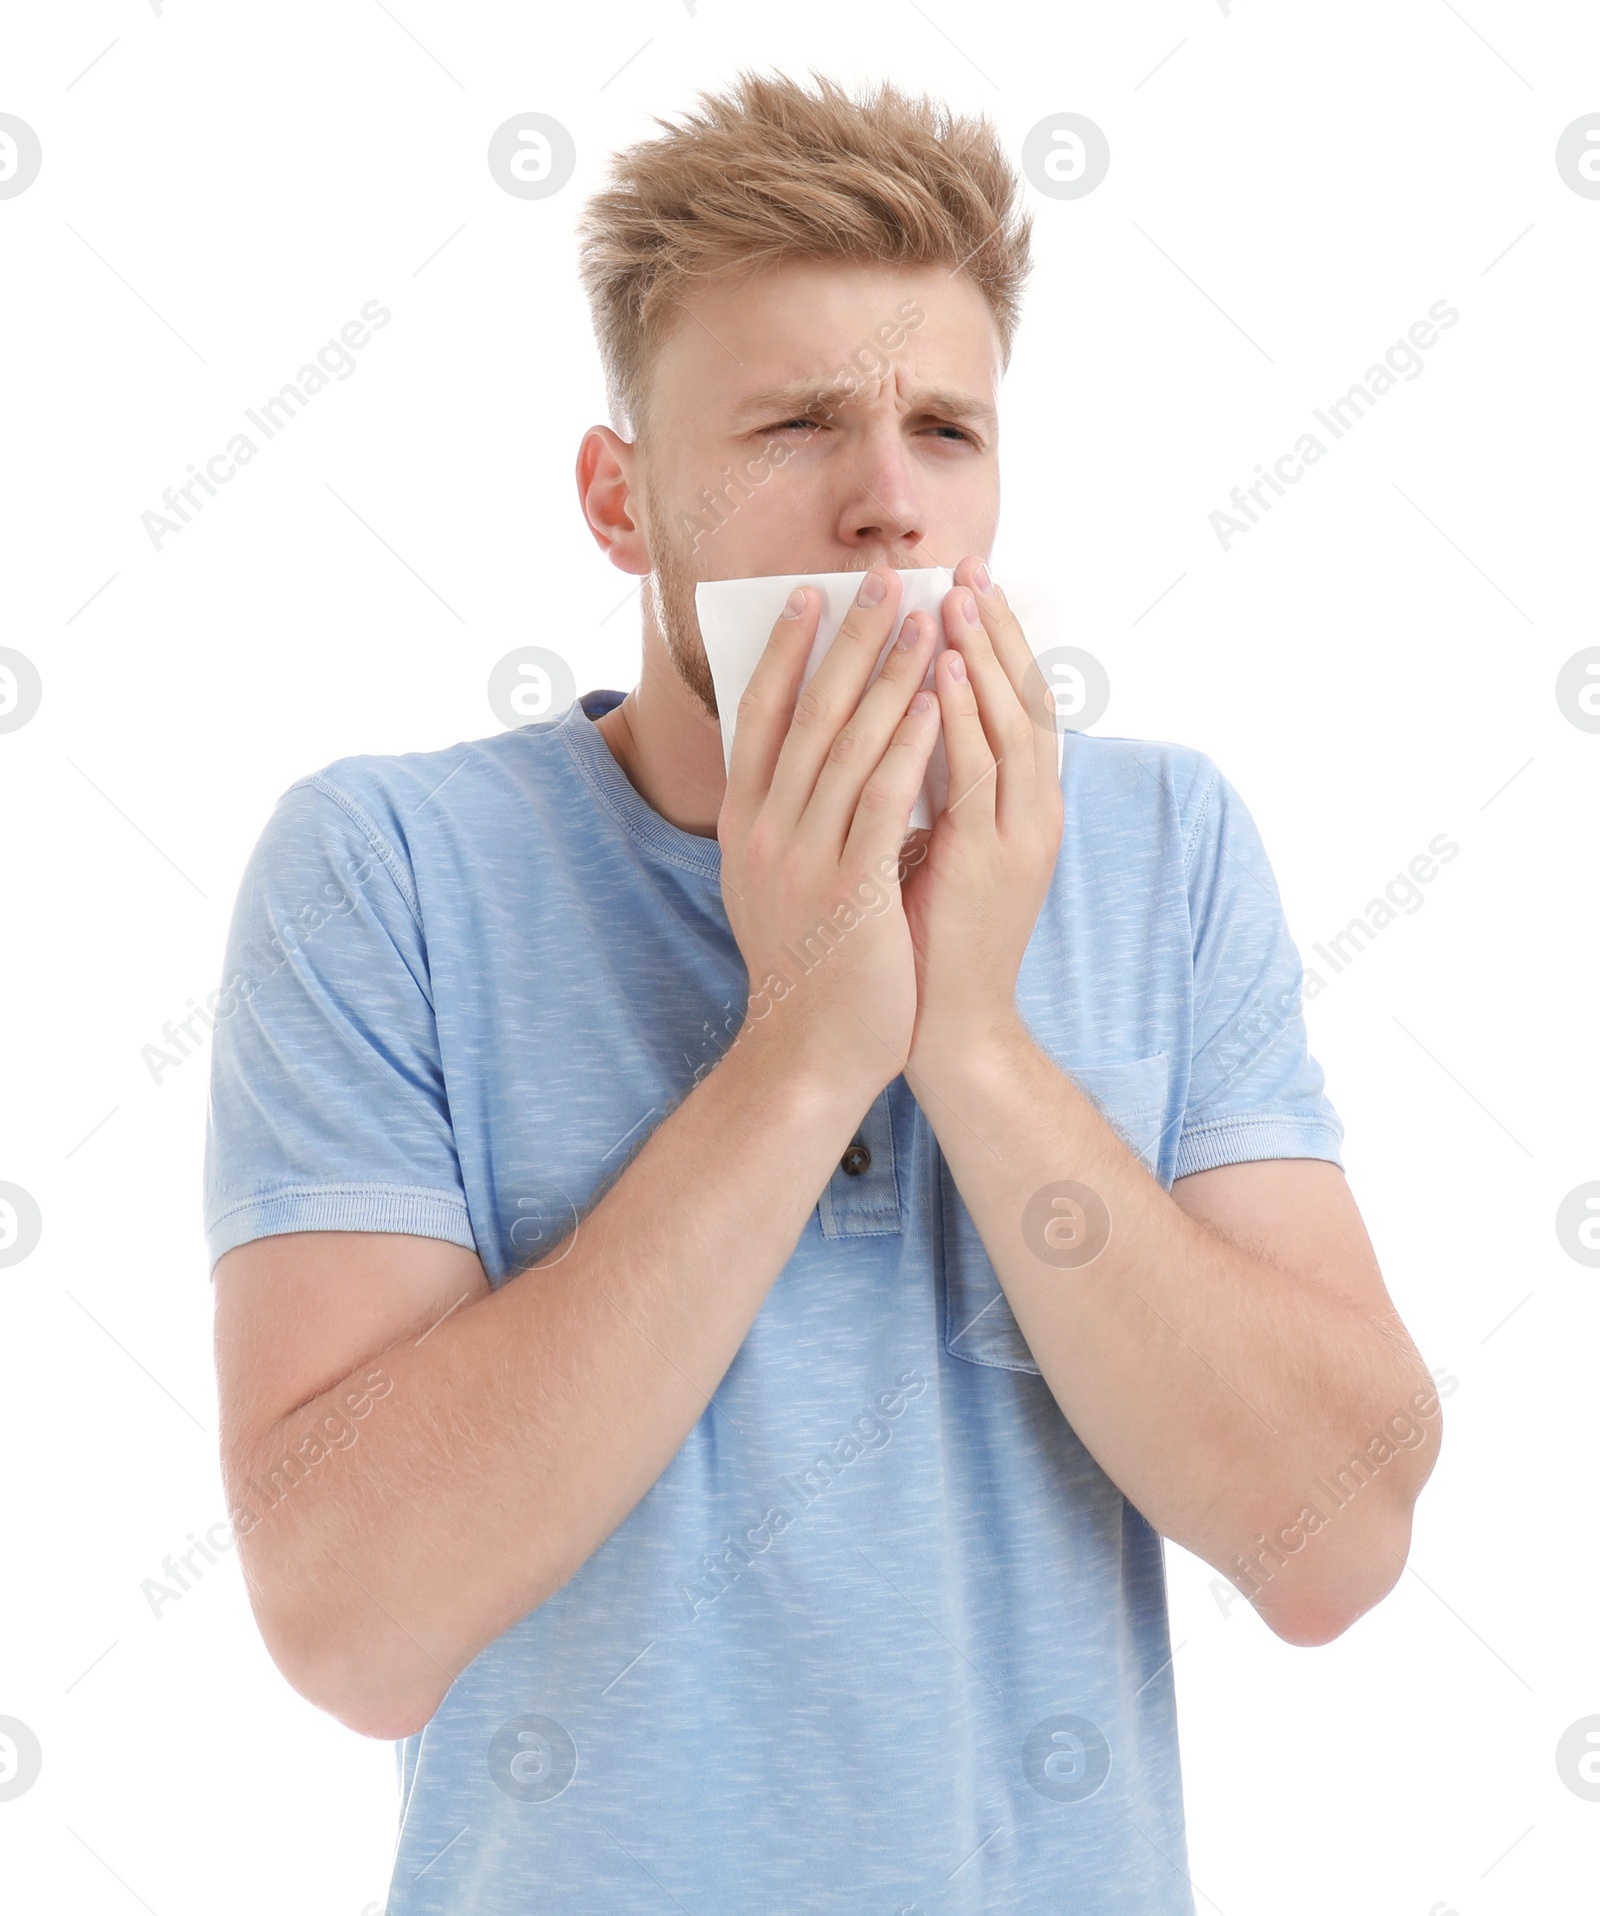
<point x="815" y="425"/>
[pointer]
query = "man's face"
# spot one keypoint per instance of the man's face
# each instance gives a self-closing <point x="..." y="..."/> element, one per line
<point x="818" y="418"/>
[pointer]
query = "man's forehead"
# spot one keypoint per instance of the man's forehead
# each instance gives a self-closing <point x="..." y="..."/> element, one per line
<point x="809" y="334"/>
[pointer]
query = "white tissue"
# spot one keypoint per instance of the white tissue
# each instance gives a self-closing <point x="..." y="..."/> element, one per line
<point x="737" y="616"/>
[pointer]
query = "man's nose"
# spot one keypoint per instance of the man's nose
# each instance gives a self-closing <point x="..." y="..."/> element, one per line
<point x="882" y="503"/>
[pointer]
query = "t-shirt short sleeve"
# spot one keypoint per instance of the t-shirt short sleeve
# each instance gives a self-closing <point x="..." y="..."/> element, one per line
<point x="1255" y="1091"/>
<point x="328" y="1109"/>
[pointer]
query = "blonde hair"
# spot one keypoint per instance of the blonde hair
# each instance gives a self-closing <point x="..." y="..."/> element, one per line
<point x="768" y="173"/>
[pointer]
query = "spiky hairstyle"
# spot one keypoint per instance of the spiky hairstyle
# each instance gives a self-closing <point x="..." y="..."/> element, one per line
<point x="767" y="173"/>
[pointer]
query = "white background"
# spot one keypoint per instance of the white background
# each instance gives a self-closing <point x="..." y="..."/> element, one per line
<point x="1290" y="189"/>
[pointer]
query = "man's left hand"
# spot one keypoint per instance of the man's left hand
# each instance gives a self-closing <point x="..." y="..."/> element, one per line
<point x="974" y="884"/>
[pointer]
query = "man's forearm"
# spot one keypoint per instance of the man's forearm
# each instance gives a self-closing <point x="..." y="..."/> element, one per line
<point x="520" y="1432"/>
<point x="1212" y="1387"/>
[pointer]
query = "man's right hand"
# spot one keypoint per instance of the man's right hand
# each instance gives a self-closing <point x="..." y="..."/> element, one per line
<point x="820" y="787"/>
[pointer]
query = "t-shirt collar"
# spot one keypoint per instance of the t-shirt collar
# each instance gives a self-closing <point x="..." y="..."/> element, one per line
<point x="610" y="784"/>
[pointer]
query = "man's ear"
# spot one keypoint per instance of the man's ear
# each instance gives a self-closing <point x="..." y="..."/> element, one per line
<point x="606" y="472"/>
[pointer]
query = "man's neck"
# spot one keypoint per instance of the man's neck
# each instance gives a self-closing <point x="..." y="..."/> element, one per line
<point x="667" y="744"/>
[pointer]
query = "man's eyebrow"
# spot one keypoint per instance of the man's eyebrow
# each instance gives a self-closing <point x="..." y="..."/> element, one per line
<point x="802" y="397"/>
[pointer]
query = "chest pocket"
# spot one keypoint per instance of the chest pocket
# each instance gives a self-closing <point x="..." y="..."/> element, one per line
<point x="978" y="1325"/>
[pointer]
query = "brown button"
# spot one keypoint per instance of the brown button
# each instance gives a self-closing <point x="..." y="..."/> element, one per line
<point x="855" y="1160"/>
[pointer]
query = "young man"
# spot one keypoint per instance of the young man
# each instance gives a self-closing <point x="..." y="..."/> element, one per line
<point x="711" y="1336"/>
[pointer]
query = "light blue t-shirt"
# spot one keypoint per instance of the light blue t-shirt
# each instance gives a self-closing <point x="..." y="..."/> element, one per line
<point x="883" y="1638"/>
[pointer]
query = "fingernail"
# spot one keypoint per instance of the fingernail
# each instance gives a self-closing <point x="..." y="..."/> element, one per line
<point x="958" y="666"/>
<point x="872" y="590"/>
<point x="795" y="604"/>
<point x="969" y="607"/>
<point x="923" y="702"/>
<point x="981" y="578"/>
<point x="908" y="635"/>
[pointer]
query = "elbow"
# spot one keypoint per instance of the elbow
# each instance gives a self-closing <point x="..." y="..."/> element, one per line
<point x="1325" y="1600"/>
<point x="361" y="1682"/>
<point x="1311" y="1580"/>
<point x="384" y="1704"/>
<point x="383" y="1716"/>
<point x="1311" y="1617"/>
<point x="1309" y="1626"/>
